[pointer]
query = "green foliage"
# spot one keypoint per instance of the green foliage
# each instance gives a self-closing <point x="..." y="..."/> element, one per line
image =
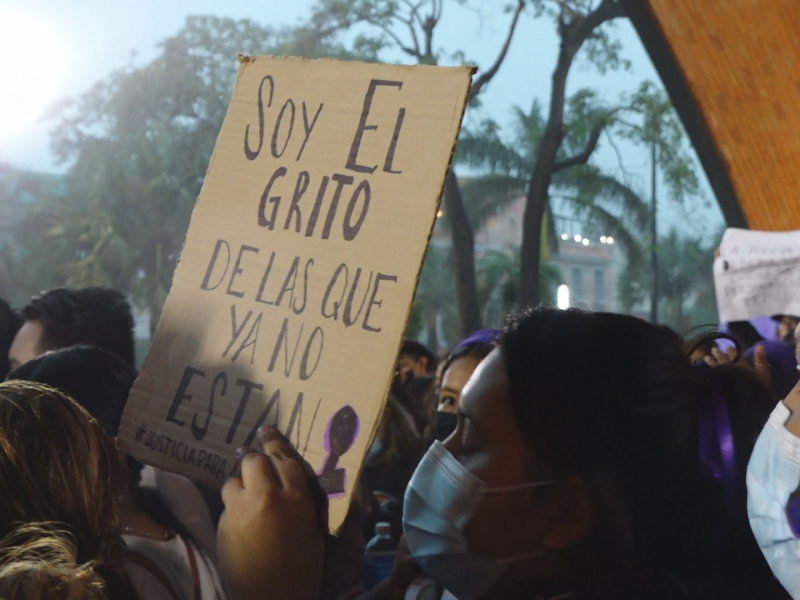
<point x="602" y="201"/>
<point x="435" y="299"/>
<point x="686" y="287"/>
<point x="655" y="121"/>
<point x="139" y="143"/>
<point x="498" y="284"/>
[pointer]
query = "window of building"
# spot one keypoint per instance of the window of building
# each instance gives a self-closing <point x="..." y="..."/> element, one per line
<point x="578" y="292"/>
<point x="600" y="287"/>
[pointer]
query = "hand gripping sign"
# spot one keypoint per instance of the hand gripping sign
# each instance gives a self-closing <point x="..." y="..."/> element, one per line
<point x="299" y="267"/>
<point x="757" y="274"/>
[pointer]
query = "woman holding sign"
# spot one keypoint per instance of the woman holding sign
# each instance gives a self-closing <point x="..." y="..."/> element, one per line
<point x="590" y="460"/>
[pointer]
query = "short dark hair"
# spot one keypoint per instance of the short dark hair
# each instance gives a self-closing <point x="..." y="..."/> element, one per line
<point x="417" y="351"/>
<point x="93" y="316"/>
<point x="10" y="322"/>
<point x="97" y="379"/>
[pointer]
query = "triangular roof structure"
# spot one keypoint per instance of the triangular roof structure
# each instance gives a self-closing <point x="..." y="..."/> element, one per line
<point x="732" y="69"/>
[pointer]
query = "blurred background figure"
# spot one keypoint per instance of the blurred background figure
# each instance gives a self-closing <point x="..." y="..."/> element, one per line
<point x="10" y="322"/>
<point x="786" y="326"/>
<point x="416" y="360"/>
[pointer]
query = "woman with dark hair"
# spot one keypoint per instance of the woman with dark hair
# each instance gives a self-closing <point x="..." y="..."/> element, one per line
<point x="591" y="460"/>
<point x="61" y="481"/>
<point x="454" y="373"/>
<point x="164" y="559"/>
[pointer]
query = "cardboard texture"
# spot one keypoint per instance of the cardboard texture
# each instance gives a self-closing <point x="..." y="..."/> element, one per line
<point x="757" y="274"/>
<point x="299" y="268"/>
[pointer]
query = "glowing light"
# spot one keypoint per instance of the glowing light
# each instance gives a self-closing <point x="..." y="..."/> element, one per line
<point x="609" y="240"/>
<point x="578" y="238"/>
<point x="440" y="214"/>
<point x="603" y="239"/>
<point x="585" y="242"/>
<point x="32" y="66"/>
<point x="562" y="297"/>
<point x="564" y="237"/>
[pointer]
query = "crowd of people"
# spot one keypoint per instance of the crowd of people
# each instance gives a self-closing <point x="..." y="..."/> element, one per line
<point x="570" y="455"/>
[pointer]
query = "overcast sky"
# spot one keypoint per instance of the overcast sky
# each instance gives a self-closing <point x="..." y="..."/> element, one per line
<point x="101" y="35"/>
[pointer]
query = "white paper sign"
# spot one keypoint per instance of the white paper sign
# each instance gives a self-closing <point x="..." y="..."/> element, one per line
<point x="757" y="274"/>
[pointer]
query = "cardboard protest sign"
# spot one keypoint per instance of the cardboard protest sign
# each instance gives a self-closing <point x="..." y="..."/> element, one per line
<point x="757" y="274"/>
<point x="299" y="267"/>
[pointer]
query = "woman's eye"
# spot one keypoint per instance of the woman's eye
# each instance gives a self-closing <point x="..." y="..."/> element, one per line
<point x="448" y="401"/>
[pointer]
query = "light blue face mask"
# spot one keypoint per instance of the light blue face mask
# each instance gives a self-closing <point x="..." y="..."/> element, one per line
<point x="440" y="500"/>
<point x="773" y="473"/>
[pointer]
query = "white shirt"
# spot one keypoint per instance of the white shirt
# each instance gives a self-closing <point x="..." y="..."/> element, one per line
<point x="172" y="560"/>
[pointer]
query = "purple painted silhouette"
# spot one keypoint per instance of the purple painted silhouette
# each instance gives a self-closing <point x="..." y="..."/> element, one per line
<point x="340" y="434"/>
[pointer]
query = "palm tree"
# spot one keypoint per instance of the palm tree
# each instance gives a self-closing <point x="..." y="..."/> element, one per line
<point x="603" y="202"/>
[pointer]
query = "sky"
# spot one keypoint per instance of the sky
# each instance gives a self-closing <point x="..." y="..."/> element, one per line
<point x="85" y="40"/>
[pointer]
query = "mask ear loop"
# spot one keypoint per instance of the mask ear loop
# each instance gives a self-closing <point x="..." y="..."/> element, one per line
<point x="515" y="488"/>
<point x="715" y="444"/>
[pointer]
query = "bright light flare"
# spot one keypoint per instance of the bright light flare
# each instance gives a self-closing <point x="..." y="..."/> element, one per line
<point x="585" y="242"/>
<point x="32" y="67"/>
<point x="562" y="297"/>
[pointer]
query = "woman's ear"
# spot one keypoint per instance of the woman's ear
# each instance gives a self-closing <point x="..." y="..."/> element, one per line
<point x="568" y="512"/>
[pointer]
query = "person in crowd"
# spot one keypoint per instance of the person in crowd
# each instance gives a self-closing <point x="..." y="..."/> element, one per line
<point x="65" y="317"/>
<point x="390" y="462"/>
<point x="454" y="373"/>
<point x="164" y="558"/>
<point x="10" y="322"/>
<point x="415" y="360"/>
<point x="61" y="480"/>
<point x="786" y="327"/>
<point x="418" y="397"/>
<point x="773" y="486"/>
<point x="591" y="460"/>
<point x="781" y="364"/>
<point x="745" y="333"/>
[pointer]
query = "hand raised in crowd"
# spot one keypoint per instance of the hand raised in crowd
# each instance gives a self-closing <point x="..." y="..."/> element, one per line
<point x="760" y="364"/>
<point x="270" y="537"/>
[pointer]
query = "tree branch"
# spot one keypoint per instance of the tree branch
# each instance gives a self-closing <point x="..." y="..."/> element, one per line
<point x="413" y="16"/>
<point x="486" y="76"/>
<point x="410" y="51"/>
<point x="583" y="156"/>
<point x="606" y="11"/>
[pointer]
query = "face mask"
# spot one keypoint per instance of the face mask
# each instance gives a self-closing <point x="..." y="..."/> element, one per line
<point x="445" y="425"/>
<point x="440" y="500"/>
<point x="773" y="473"/>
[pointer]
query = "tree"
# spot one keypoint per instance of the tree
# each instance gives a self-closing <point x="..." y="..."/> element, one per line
<point x="600" y="200"/>
<point x="584" y="24"/>
<point x="409" y="26"/>
<point x="686" y="289"/>
<point x="140" y="142"/>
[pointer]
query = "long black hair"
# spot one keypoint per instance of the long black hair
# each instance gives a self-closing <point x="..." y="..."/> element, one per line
<point x="616" y="400"/>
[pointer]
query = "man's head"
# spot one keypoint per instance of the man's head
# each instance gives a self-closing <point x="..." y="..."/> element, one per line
<point x="65" y="317"/>
<point x="416" y="359"/>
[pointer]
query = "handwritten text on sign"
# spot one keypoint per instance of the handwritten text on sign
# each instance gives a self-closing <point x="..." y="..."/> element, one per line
<point x="299" y="267"/>
<point x="757" y="274"/>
